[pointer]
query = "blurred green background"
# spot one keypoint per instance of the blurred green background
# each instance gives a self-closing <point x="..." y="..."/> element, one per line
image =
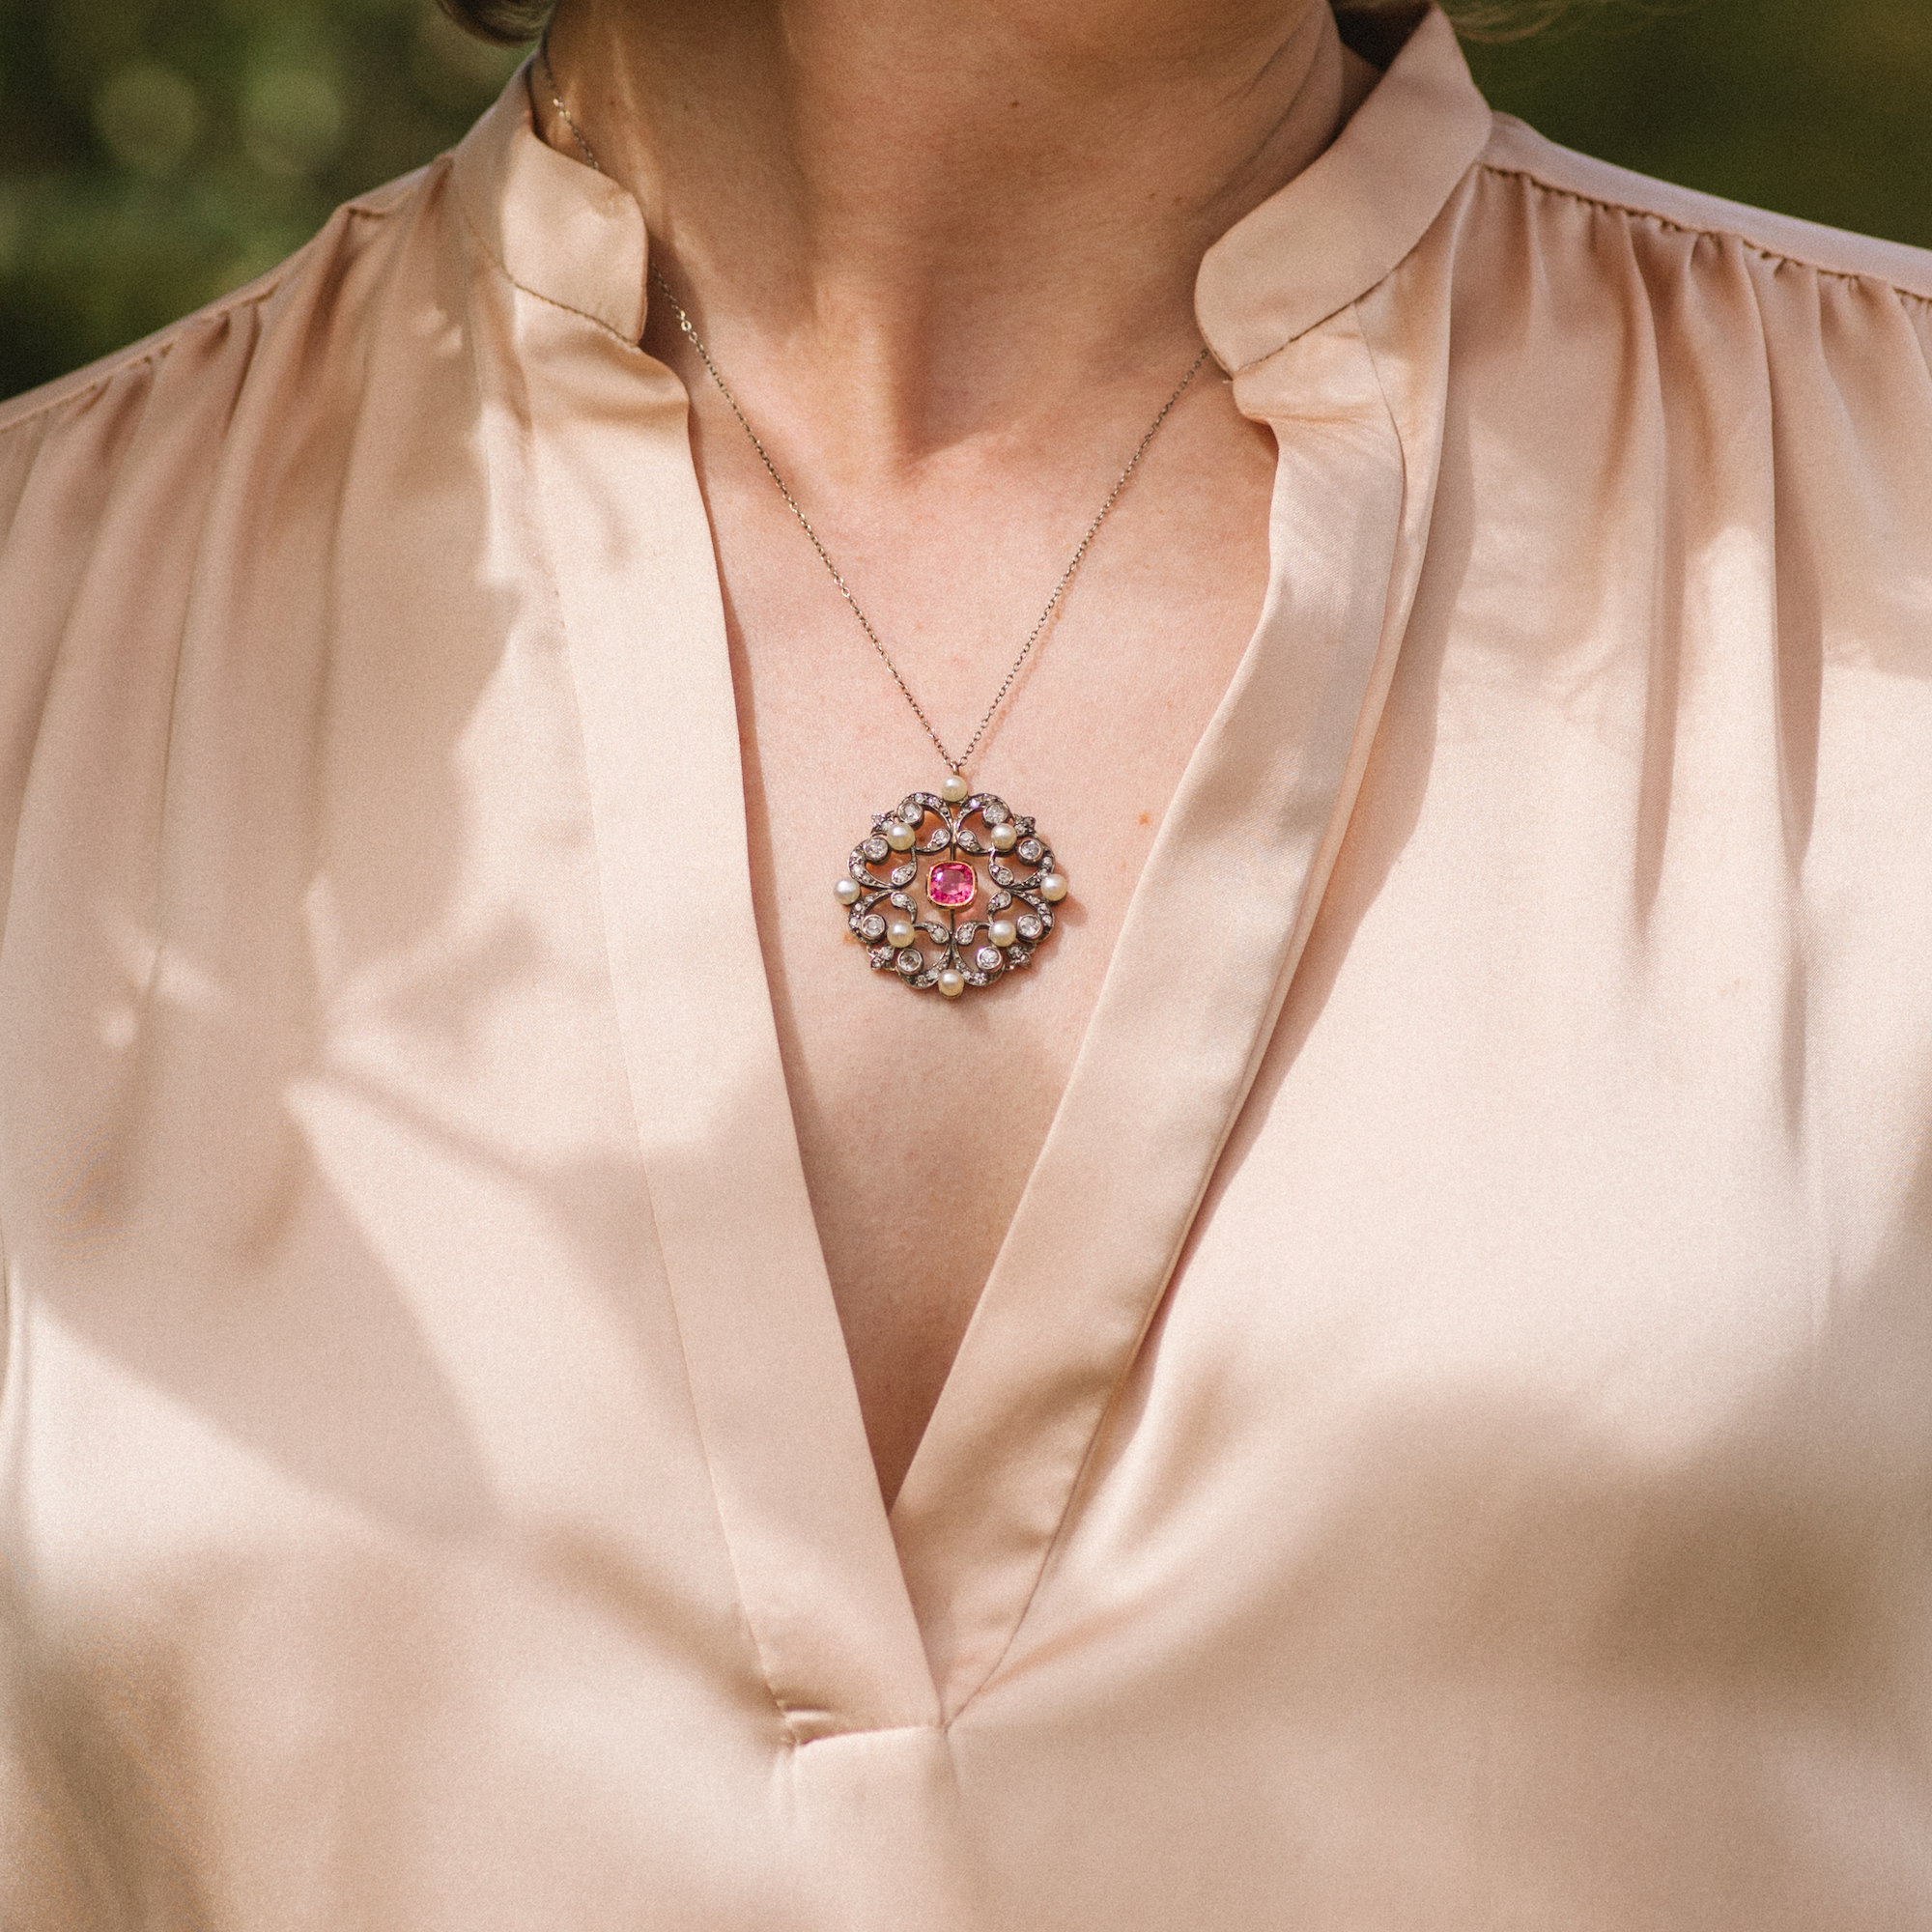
<point x="156" y="153"/>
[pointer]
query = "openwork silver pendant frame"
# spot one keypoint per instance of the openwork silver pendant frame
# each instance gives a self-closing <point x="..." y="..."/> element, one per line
<point x="1007" y="886"/>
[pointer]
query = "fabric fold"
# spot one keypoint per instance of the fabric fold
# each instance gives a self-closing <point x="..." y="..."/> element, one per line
<point x="1217" y="924"/>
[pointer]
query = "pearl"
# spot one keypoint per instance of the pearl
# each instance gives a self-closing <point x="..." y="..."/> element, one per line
<point x="1003" y="837"/>
<point x="951" y="983"/>
<point x="954" y="789"/>
<point x="901" y="931"/>
<point x="899" y="836"/>
<point x="1053" y="887"/>
<point x="1002" y="932"/>
<point x="846" y="891"/>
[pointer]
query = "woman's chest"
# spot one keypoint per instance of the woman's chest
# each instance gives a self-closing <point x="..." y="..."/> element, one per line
<point x="920" y="1111"/>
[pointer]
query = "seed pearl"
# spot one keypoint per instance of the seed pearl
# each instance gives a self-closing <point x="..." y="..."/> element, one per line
<point x="899" y="836"/>
<point x="1053" y="887"/>
<point x="1003" y="837"/>
<point x="900" y="932"/>
<point x="951" y="983"/>
<point x="954" y="788"/>
<point x="1002" y="932"/>
<point x="846" y="891"/>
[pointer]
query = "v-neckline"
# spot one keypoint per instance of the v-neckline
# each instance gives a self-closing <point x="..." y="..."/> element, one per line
<point x="862" y="1621"/>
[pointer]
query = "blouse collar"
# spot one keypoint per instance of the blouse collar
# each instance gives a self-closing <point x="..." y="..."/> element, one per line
<point x="1345" y="222"/>
<point x="574" y="238"/>
<point x="562" y="231"/>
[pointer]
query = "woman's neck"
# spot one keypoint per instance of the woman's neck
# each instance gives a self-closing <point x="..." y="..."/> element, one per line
<point x="938" y="216"/>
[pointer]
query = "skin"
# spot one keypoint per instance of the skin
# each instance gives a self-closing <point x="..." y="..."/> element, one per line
<point x="946" y="257"/>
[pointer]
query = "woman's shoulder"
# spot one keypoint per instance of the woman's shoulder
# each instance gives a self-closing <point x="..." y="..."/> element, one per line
<point x="1516" y="153"/>
<point x="196" y="368"/>
<point x="167" y="478"/>
<point x="116" y="480"/>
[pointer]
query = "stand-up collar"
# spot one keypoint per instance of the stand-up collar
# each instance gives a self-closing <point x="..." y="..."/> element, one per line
<point x="1343" y="224"/>
<point x="558" y="229"/>
<point x="575" y="238"/>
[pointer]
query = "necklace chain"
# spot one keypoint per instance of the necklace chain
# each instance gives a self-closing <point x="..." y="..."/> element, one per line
<point x="685" y="325"/>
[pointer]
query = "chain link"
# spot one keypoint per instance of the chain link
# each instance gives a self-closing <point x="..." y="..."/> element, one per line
<point x="685" y="325"/>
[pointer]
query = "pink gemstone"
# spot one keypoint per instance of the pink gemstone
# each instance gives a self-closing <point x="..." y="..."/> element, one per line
<point x="951" y="885"/>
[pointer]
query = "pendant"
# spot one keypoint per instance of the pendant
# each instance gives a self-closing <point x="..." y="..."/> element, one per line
<point x="966" y="894"/>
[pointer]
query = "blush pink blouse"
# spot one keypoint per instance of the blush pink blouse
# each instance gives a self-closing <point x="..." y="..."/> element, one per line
<point x="1447" y="1443"/>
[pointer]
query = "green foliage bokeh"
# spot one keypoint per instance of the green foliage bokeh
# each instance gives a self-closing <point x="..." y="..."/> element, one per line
<point x="157" y="153"/>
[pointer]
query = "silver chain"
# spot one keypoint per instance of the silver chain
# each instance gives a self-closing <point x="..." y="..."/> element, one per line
<point x="690" y="334"/>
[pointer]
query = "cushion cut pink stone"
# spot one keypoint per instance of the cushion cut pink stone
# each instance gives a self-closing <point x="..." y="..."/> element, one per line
<point x="951" y="885"/>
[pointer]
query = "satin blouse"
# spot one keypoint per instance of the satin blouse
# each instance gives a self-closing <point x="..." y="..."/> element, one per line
<point x="1447" y="1443"/>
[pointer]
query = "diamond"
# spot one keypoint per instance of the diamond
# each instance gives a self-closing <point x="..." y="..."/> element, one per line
<point x="911" y="961"/>
<point x="872" y="928"/>
<point x="993" y="811"/>
<point x="952" y="885"/>
<point x="1030" y="927"/>
<point x="988" y="960"/>
<point x="1030" y="849"/>
<point x="875" y="849"/>
<point x="881" y="956"/>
